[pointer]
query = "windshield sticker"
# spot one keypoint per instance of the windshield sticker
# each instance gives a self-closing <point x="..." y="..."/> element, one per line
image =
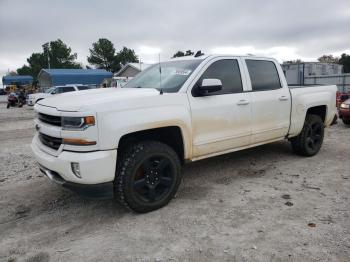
<point x="182" y="72"/>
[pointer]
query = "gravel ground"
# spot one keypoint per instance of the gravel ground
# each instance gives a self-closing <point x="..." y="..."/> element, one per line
<point x="262" y="204"/>
<point x="3" y="98"/>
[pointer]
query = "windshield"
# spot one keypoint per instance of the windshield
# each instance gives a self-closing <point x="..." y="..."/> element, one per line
<point x="49" y="90"/>
<point x="168" y="76"/>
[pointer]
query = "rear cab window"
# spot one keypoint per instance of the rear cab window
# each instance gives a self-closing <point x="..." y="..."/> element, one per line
<point x="83" y="88"/>
<point x="263" y="75"/>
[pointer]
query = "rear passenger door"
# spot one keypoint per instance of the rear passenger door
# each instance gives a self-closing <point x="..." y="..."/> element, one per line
<point x="221" y="121"/>
<point x="270" y="101"/>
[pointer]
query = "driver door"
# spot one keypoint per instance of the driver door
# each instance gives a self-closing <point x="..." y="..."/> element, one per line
<point x="221" y="120"/>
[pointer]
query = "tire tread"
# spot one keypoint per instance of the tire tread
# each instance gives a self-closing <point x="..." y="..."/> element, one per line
<point x="298" y="142"/>
<point x="127" y="160"/>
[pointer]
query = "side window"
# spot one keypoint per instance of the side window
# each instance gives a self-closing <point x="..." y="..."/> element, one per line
<point x="263" y="75"/>
<point x="83" y="87"/>
<point x="229" y="74"/>
<point x="58" y="90"/>
<point x="66" y="89"/>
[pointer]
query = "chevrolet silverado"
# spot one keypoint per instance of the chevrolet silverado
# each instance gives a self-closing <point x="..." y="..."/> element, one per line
<point x="130" y="143"/>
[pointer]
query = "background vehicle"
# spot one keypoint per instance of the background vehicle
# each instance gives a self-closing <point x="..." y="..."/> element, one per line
<point x="344" y="112"/>
<point x="12" y="100"/>
<point x="33" y="98"/>
<point x="341" y="97"/>
<point x="16" y="99"/>
<point x="130" y="142"/>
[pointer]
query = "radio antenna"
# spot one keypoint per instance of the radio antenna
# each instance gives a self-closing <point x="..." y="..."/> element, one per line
<point x="160" y="76"/>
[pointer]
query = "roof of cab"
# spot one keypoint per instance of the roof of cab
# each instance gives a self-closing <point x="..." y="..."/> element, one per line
<point x="202" y="57"/>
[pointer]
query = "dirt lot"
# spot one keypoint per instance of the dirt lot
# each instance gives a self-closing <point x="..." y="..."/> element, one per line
<point x="262" y="204"/>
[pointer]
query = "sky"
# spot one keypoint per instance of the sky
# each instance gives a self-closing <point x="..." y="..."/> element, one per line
<point x="285" y="30"/>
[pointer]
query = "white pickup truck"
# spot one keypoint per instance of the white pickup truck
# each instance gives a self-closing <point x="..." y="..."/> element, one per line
<point x="131" y="142"/>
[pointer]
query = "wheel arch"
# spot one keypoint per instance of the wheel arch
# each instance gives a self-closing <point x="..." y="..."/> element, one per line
<point x="172" y="136"/>
<point x="39" y="99"/>
<point x="320" y="111"/>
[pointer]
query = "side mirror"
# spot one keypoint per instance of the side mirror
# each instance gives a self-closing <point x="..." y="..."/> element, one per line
<point x="53" y="92"/>
<point x="209" y="85"/>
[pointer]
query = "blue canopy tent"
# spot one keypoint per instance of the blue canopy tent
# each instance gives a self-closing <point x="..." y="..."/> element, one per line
<point x="17" y="80"/>
<point x="55" y="77"/>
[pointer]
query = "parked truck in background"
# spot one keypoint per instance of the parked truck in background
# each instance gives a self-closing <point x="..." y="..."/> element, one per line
<point x="130" y="143"/>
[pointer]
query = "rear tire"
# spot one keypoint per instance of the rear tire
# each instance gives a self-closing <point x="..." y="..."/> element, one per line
<point x="147" y="177"/>
<point x="310" y="139"/>
<point x="346" y="121"/>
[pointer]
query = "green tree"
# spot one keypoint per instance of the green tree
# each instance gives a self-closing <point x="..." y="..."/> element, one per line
<point x="328" y="59"/>
<point x="24" y="70"/>
<point x="102" y="55"/>
<point x="60" y="55"/>
<point x="178" y="54"/>
<point x="345" y="61"/>
<point x="181" y="53"/>
<point x="56" y="54"/>
<point x="126" y="55"/>
<point x="296" y="61"/>
<point x="36" y="62"/>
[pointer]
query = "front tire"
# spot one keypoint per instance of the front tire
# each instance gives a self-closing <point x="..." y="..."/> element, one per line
<point x="310" y="139"/>
<point x="147" y="177"/>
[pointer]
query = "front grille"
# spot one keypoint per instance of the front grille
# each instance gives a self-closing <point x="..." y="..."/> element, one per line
<point x="51" y="120"/>
<point x="49" y="141"/>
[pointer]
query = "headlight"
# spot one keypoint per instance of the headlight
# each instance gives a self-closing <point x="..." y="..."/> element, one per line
<point x="77" y="123"/>
<point x="345" y="106"/>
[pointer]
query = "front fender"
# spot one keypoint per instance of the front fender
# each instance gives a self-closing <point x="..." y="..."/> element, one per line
<point x="114" y="125"/>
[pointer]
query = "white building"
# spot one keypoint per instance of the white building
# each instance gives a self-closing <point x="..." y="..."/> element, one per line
<point x="131" y="70"/>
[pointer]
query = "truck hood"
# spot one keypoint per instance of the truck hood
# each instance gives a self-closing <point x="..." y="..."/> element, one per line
<point x="92" y="100"/>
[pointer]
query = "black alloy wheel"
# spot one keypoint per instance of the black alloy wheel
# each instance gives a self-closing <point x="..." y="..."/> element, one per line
<point x="154" y="178"/>
<point x="310" y="139"/>
<point x="314" y="136"/>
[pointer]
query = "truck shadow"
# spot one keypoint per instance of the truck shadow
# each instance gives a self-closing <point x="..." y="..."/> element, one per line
<point x="200" y="176"/>
<point x="248" y="158"/>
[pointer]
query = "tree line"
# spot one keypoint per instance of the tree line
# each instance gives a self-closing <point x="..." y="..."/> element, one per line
<point x="103" y="55"/>
<point x="56" y="54"/>
<point x="343" y="60"/>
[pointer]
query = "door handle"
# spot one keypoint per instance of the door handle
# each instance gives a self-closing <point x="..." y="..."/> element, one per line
<point x="242" y="102"/>
<point x="283" y="98"/>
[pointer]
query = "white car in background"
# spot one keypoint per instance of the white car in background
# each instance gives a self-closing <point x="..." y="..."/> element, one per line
<point x="34" y="98"/>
